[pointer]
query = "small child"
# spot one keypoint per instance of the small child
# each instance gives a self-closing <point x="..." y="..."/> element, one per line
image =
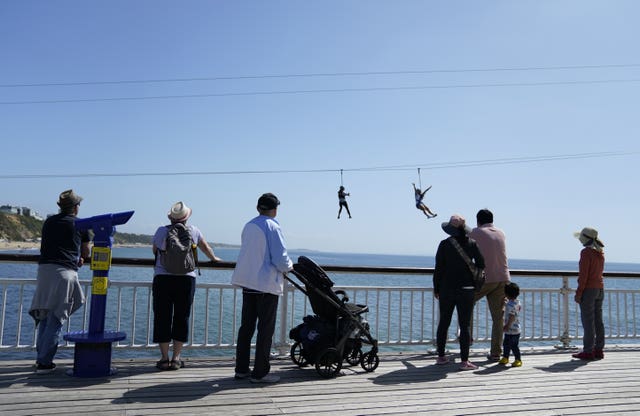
<point x="511" y="325"/>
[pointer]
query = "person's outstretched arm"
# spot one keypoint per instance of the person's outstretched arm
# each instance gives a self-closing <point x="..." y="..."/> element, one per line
<point x="207" y="250"/>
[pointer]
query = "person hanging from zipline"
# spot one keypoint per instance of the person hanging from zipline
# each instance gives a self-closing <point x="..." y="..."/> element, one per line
<point x="342" y="201"/>
<point x="419" y="204"/>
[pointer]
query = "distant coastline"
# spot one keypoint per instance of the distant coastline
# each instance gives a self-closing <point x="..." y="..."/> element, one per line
<point x="35" y="245"/>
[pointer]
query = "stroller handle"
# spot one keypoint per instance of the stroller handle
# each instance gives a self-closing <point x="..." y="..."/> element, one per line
<point x="345" y="298"/>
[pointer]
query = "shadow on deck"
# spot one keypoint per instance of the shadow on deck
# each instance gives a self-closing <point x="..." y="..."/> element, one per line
<point x="549" y="383"/>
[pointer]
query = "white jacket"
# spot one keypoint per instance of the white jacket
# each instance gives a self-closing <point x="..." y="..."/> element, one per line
<point x="262" y="258"/>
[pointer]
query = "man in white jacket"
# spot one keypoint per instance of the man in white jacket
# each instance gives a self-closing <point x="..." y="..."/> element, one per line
<point x="261" y="262"/>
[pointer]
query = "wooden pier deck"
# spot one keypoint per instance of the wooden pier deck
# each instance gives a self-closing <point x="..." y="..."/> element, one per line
<point x="549" y="383"/>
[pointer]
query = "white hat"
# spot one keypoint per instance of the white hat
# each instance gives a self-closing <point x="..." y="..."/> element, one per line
<point x="179" y="212"/>
<point x="587" y="235"/>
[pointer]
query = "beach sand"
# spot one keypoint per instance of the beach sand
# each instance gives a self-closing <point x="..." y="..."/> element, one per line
<point x="28" y="245"/>
<point x="19" y="245"/>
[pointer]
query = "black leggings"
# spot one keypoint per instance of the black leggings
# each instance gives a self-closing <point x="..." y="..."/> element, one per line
<point x="462" y="301"/>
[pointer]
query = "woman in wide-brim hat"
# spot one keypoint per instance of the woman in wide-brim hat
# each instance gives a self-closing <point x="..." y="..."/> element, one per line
<point x="590" y="294"/>
<point x="173" y="293"/>
<point x="453" y="287"/>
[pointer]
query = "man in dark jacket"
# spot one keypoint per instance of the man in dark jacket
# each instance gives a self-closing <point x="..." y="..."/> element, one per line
<point x="58" y="292"/>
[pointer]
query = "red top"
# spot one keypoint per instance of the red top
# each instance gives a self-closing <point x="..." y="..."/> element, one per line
<point x="590" y="270"/>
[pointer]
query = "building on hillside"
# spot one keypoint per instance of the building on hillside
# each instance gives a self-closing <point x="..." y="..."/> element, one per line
<point x="28" y="212"/>
<point x="25" y="211"/>
<point x="8" y="209"/>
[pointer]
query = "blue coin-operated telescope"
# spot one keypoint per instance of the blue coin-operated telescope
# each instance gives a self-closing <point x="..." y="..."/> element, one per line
<point x="92" y="353"/>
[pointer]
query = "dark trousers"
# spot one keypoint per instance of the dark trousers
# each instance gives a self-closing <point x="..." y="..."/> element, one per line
<point x="172" y="300"/>
<point x="510" y="344"/>
<point x="462" y="301"/>
<point x="591" y="316"/>
<point x="261" y="308"/>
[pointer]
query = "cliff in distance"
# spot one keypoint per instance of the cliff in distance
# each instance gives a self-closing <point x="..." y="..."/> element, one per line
<point x="28" y="229"/>
<point x="20" y="228"/>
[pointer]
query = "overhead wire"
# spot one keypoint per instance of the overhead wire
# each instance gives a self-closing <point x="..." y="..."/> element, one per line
<point x="320" y="74"/>
<point x="428" y="166"/>
<point x="330" y="90"/>
<point x="322" y="90"/>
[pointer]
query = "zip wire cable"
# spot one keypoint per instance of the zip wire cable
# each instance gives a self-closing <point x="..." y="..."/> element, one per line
<point x="440" y="165"/>
<point x="330" y="90"/>
<point x="313" y="75"/>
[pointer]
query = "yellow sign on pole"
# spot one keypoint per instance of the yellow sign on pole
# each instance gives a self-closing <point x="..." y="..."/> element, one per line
<point x="100" y="258"/>
<point x="99" y="285"/>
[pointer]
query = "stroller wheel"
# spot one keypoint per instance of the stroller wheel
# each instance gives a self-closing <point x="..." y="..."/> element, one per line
<point x="369" y="361"/>
<point x="354" y="356"/>
<point x="329" y="363"/>
<point x="296" y="354"/>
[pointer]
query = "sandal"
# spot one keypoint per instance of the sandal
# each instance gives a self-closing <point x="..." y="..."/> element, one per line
<point x="163" y="365"/>
<point x="176" y="364"/>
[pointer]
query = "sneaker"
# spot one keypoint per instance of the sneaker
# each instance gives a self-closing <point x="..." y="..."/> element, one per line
<point x="504" y="361"/>
<point x="517" y="363"/>
<point x="45" y="368"/>
<point x="442" y="360"/>
<point x="493" y="357"/>
<point x="598" y="354"/>
<point x="242" y="376"/>
<point x="587" y="356"/>
<point x="468" y="365"/>
<point x="269" y="378"/>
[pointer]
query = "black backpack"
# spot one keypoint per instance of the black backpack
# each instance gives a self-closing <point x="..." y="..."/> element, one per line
<point x="180" y="255"/>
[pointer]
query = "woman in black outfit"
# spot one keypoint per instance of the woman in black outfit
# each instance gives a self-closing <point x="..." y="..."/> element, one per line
<point x="453" y="287"/>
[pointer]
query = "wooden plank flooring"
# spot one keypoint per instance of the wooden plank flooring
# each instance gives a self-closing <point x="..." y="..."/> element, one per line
<point x="549" y="383"/>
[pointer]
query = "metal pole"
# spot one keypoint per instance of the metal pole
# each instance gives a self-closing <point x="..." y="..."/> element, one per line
<point x="565" y="292"/>
<point x="282" y="346"/>
<point x="92" y="350"/>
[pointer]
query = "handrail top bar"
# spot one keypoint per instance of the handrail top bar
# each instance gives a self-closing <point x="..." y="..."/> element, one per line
<point x="133" y="262"/>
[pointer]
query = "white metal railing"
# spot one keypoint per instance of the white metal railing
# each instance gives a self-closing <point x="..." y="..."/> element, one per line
<point x="398" y="316"/>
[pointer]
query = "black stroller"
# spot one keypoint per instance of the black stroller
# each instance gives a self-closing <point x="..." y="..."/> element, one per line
<point x="336" y="333"/>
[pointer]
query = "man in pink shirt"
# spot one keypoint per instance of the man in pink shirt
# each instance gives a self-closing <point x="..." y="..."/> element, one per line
<point x="491" y="242"/>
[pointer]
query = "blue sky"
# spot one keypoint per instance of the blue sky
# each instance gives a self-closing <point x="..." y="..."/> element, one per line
<point x="454" y="90"/>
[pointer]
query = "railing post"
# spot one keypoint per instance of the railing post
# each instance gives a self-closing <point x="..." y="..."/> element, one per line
<point x="565" y="292"/>
<point x="281" y="342"/>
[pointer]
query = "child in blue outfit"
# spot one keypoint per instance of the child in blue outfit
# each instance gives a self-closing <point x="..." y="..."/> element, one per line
<point x="511" y="325"/>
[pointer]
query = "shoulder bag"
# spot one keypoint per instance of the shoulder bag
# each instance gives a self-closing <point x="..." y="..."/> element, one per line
<point x="476" y="272"/>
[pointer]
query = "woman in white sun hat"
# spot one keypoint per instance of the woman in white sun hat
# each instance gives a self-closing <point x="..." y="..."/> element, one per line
<point x="172" y="289"/>
<point x="590" y="294"/>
